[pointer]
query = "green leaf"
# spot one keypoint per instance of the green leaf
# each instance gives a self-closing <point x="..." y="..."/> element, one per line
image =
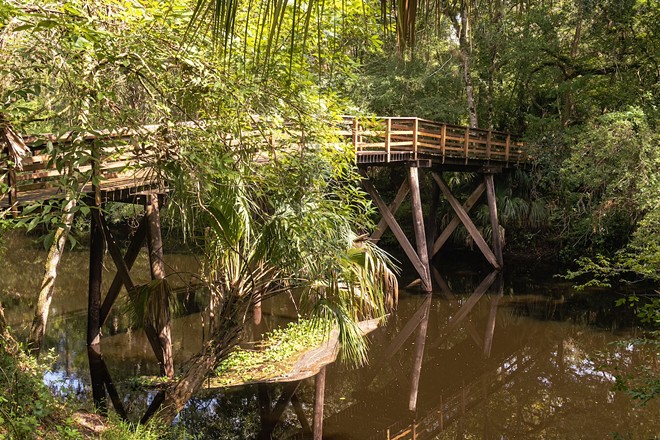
<point x="48" y="240"/>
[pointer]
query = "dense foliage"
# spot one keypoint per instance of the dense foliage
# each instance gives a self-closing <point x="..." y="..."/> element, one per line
<point x="246" y="111"/>
<point x="27" y="407"/>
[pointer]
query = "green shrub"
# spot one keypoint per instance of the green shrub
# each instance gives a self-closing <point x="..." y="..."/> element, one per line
<point x="27" y="407"/>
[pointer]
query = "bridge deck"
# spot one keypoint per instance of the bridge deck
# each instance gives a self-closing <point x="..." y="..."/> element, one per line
<point x="125" y="171"/>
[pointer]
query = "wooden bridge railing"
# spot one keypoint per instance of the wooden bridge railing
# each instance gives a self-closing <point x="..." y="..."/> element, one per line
<point x="391" y="139"/>
<point x="125" y="155"/>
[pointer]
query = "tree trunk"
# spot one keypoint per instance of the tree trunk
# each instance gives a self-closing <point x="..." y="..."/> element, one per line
<point x="461" y="29"/>
<point x="568" y="101"/>
<point x="196" y="371"/>
<point x="48" y="282"/>
<point x="161" y="322"/>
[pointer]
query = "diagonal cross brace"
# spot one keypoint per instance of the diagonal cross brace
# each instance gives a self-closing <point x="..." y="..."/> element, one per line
<point x="467" y="222"/>
<point x="393" y="208"/>
<point x="394" y="226"/>
<point x="455" y="221"/>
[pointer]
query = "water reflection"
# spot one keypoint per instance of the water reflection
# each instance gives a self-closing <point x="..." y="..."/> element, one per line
<point x="481" y="357"/>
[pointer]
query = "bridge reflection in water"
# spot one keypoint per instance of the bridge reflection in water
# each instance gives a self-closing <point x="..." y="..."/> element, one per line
<point x="428" y="403"/>
<point x="404" y="372"/>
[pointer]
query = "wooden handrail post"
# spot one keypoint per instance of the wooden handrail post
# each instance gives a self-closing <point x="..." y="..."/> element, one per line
<point x="488" y="139"/>
<point x="443" y="141"/>
<point x="388" y="129"/>
<point x="415" y="132"/>
<point x="355" y="134"/>
<point x="507" y="148"/>
<point x="467" y="143"/>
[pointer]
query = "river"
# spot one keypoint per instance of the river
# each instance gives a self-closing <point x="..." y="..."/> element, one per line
<point x="524" y="357"/>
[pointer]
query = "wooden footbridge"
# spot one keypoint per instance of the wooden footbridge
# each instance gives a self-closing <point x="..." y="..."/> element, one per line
<point x="121" y="166"/>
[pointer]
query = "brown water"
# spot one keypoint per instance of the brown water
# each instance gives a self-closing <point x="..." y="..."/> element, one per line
<point x="529" y="358"/>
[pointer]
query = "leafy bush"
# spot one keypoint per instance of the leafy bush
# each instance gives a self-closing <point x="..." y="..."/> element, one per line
<point x="27" y="407"/>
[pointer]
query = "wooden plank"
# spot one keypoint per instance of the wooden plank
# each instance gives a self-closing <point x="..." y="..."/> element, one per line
<point x="394" y="207"/>
<point x="467" y="222"/>
<point x="453" y="224"/>
<point x="507" y="147"/>
<point x="394" y="226"/>
<point x="418" y="225"/>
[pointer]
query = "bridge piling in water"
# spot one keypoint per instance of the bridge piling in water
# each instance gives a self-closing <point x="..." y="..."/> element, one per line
<point x="416" y="145"/>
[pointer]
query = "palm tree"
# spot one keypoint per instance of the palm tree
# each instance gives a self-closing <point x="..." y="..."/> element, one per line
<point x="265" y="236"/>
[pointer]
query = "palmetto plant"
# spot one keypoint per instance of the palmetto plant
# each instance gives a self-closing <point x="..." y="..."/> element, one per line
<point x="265" y="234"/>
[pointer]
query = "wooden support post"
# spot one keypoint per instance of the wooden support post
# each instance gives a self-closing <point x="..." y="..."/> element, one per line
<point x="394" y="226"/>
<point x="467" y="222"/>
<point x="419" y="357"/>
<point x="93" y="310"/>
<point x="453" y="224"/>
<point x="495" y="225"/>
<point x="154" y="406"/>
<point x="288" y="391"/>
<point x="115" y="253"/>
<point x="162" y="321"/>
<point x="319" y="398"/>
<point x="444" y="287"/>
<point x="355" y="134"/>
<point x="418" y="223"/>
<point x="265" y="404"/>
<point x="393" y="208"/>
<point x="507" y="148"/>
